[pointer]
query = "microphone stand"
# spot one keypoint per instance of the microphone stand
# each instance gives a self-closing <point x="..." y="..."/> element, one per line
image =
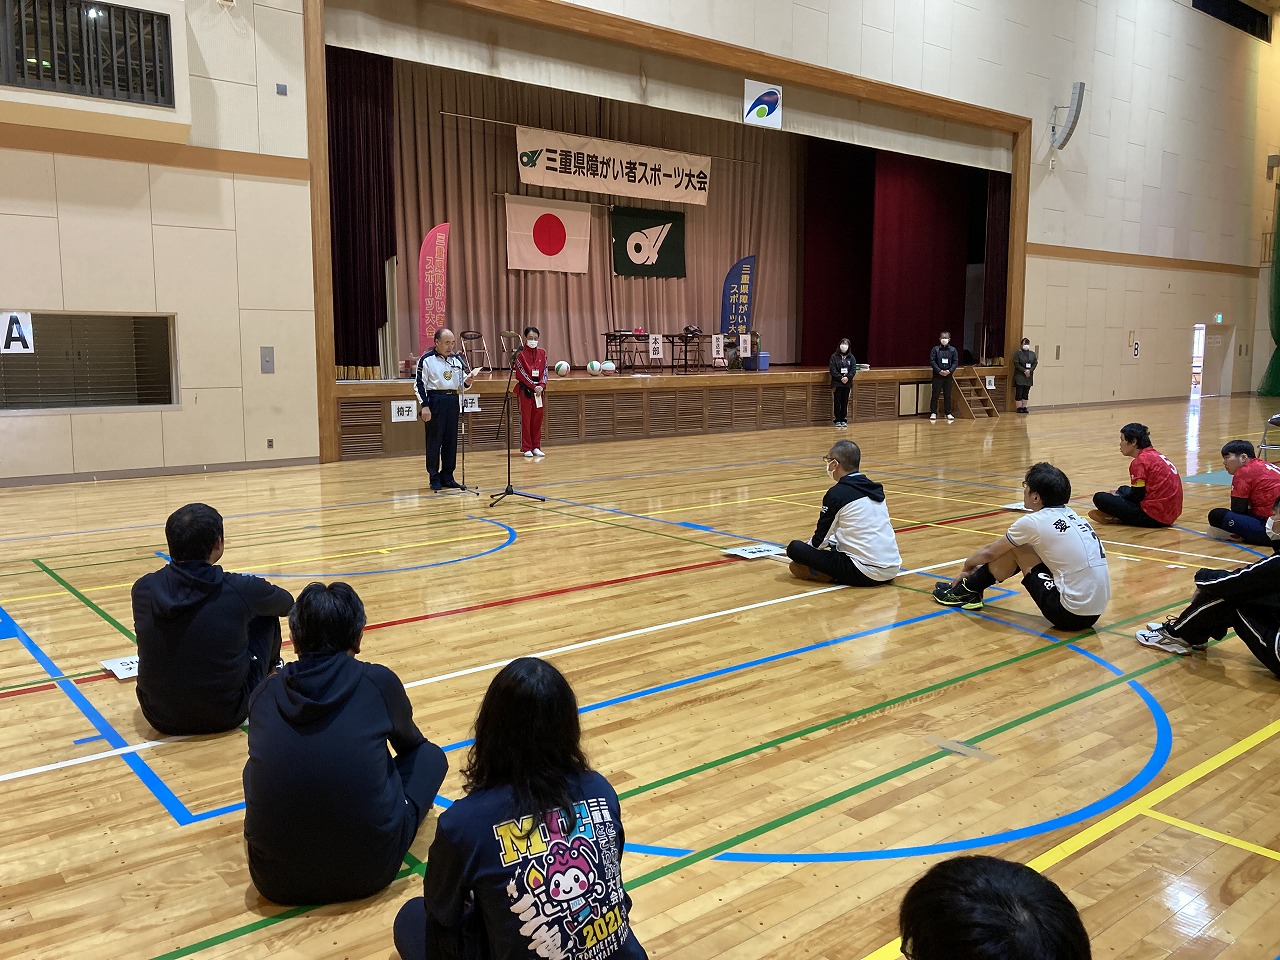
<point x="509" y="490"/>
<point x="462" y="420"/>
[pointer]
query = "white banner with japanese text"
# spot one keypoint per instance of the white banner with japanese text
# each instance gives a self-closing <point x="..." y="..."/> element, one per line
<point x="548" y="158"/>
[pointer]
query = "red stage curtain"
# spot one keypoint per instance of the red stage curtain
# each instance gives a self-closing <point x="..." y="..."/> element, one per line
<point x="839" y="195"/>
<point x="918" y="258"/>
<point x="996" y="290"/>
<point x="361" y="100"/>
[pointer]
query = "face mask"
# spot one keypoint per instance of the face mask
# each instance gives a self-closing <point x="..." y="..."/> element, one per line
<point x="1272" y="532"/>
<point x="945" y="341"/>
<point x="844" y="348"/>
<point x="532" y="344"/>
<point x="829" y="469"/>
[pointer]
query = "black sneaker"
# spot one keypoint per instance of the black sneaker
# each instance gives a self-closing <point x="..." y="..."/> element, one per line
<point x="957" y="596"/>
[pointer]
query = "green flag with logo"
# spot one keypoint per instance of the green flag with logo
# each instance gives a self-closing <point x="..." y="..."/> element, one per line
<point x="647" y="243"/>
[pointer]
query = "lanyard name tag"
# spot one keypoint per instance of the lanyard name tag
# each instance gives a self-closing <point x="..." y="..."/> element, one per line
<point x="944" y="361"/>
<point x="844" y="371"/>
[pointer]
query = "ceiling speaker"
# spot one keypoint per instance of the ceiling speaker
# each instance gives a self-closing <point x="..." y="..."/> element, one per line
<point x="1061" y="133"/>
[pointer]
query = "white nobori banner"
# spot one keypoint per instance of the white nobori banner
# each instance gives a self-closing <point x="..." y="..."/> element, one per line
<point x="548" y="158"/>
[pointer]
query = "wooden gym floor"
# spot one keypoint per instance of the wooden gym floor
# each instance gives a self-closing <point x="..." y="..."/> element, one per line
<point x="790" y="756"/>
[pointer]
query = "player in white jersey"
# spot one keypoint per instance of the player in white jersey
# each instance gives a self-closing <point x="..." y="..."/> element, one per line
<point x="1063" y="564"/>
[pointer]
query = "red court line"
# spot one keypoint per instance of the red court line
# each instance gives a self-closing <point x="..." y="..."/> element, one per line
<point x="554" y="593"/>
<point x="943" y="523"/>
<point x="50" y="686"/>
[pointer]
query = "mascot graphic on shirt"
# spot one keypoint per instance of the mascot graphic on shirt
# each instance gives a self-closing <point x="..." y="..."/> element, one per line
<point x="566" y="885"/>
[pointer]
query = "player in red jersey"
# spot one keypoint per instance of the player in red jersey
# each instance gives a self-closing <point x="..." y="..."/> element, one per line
<point x="1153" y="497"/>
<point x="1255" y="485"/>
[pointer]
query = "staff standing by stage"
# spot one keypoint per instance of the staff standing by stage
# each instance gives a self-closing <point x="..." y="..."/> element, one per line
<point x="440" y="378"/>
<point x="531" y="377"/>
<point x="1025" y="362"/>
<point x="843" y="366"/>
<point x="944" y="359"/>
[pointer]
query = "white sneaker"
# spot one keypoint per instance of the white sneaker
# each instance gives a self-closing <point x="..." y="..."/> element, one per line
<point x="1162" y="641"/>
<point x="529" y="454"/>
<point x="537" y="452"/>
<point x="933" y="416"/>
<point x="950" y="417"/>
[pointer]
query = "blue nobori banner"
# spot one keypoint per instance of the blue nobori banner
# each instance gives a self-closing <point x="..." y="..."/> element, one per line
<point x="736" y="297"/>
<point x="548" y="158"/>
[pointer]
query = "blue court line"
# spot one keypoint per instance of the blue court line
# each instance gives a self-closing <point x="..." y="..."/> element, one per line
<point x="168" y="799"/>
<point x="229" y="516"/>
<point x="511" y="538"/>
<point x="88" y="739"/>
<point x="685" y="682"/>
<point x="685" y="525"/>
<point x="1229" y="543"/>
<point x="164" y="556"/>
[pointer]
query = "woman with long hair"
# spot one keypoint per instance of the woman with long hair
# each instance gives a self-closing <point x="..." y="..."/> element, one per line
<point x="530" y="859"/>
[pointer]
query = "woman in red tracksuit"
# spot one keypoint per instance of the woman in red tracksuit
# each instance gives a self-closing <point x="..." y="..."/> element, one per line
<point x="531" y="380"/>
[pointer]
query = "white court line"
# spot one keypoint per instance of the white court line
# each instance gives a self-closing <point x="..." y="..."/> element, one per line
<point x="147" y="744"/>
<point x="1184" y="553"/>
<point x="63" y="764"/>
<point x="497" y="664"/>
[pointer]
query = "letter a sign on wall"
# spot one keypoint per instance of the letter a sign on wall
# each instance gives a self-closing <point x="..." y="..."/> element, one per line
<point x="15" y="333"/>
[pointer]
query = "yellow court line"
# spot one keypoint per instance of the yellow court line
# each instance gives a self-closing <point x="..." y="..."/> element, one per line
<point x="1213" y="834"/>
<point x="934" y="496"/>
<point x="1133" y="809"/>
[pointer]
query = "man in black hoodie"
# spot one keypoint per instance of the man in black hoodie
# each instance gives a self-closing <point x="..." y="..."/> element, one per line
<point x="206" y="638"/>
<point x="329" y="814"/>
<point x="854" y="543"/>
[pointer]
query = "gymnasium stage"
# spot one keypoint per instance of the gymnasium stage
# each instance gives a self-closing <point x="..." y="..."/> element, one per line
<point x="628" y="406"/>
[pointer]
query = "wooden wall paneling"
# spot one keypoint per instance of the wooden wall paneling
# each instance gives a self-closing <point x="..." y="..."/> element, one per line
<point x="321" y="257"/>
<point x="584" y="22"/>
<point x="562" y="420"/>
<point x="719" y="409"/>
<point x="746" y="408"/>
<point x="598" y="416"/>
<point x="628" y="415"/>
<point x="691" y="411"/>
<point x="1019" y="205"/>
<point x="661" y="410"/>
<point x="360" y="424"/>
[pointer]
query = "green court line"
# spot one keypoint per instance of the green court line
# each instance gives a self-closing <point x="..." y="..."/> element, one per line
<point x="717" y="848"/>
<point x="42" y="682"/>
<point x="883" y="705"/>
<point x="419" y="867"/>
<point x="614" y="523"/>
<point x="415" y="866"/>
<point x="86" y="601"/>
<point x="833" y="722"/>
<point x="246" y="544"/>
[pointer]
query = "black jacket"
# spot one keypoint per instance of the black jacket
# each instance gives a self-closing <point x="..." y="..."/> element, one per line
<point x="936" y="355"/>
<point x="192" y="622"/>
<point x="850" y="487"/>
<point x="843" y="361"/>
<point x="1256" y="586"/>
<point x="325" y="810"/>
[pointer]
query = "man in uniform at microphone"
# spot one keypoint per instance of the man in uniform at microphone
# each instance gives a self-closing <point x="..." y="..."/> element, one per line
<point x="440" y="379"/>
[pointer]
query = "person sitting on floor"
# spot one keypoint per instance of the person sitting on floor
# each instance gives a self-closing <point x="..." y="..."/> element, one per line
<point x="206" y="638"/>
<point x="529" y="863"/>
<point x="985" y="908"/>
<point x="329" y="814"/>
<point x="854" y="543"/>
<point x="1153" y="497"/>
<point x="1246" y="600"/>
<point x="1063" y="565"/>
<point x="1255" y="484"/>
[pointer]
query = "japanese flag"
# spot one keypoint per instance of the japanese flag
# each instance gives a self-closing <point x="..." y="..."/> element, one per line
<point x="547" y="234"/>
